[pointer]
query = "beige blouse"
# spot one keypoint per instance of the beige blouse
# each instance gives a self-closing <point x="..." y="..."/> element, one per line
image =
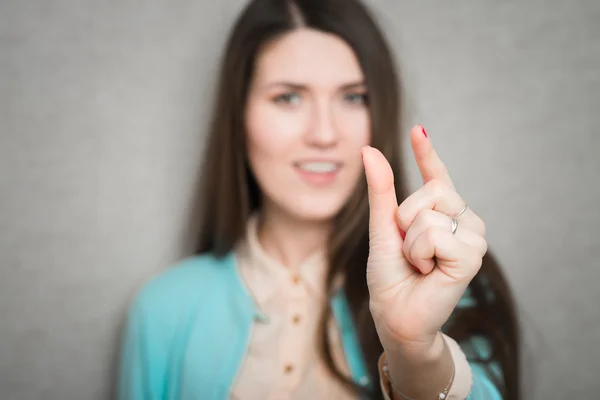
<point x="282" y="360"/>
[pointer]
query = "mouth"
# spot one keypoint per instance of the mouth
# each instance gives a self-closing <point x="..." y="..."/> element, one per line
<point x="318" y="167"/>
<point x="318" y="173"/>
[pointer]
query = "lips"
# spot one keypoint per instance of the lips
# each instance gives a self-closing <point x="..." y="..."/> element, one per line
<point x="318" y="167"/>
<point x="318" y="173"/>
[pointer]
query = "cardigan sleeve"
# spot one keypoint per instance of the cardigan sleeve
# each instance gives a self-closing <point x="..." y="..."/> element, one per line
<point x="472" y="380"/>
<point x="142" y="368"/>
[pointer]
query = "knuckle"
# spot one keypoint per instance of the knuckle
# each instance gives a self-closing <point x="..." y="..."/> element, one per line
<point x="479" y="244"/>
<point x="406" y="216"/>
<point x="426" y="217"/>
<point x="380" y="245"/>
<point x="432" y="234"/>
<point x="484" y="247"/>
<point x="483" y="227"/>
<point x="478" y="224"/>
<point x="476" y="264"/>
<point x="408" y="249"/>
<point x="436" y="187"/>
<point x="402" y="216"/>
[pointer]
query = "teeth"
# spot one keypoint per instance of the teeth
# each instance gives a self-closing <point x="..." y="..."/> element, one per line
<point x="319" y="167"/>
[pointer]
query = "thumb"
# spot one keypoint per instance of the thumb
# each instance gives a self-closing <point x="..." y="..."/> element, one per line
<point x="382" y="198"/>
<point x="386" y="266"/>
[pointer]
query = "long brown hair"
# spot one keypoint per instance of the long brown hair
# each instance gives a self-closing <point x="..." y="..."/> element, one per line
<point x="230" y="192"/>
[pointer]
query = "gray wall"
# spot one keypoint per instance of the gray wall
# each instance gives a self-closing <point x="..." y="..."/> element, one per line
<point x="102" y="112"/>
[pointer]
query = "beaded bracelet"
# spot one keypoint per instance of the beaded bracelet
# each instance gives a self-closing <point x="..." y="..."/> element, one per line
<point x="443" y="394"/>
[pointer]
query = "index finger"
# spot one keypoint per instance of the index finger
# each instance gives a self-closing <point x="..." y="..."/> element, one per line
<point x="430" y="164"/>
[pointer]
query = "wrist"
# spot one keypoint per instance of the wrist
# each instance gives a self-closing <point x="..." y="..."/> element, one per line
<point x="420" y="373"/>
<point x="426" y="351"/>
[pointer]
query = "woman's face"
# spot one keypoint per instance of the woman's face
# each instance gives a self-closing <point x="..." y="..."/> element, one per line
<point x="306" y="121"/>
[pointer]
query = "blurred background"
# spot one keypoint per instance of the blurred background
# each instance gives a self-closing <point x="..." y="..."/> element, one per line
<point x="103" y="110"/>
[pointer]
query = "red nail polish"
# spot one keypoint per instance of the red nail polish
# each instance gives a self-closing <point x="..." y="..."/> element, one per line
<point x="423" y="130"/>
<point x="402" y="234"/>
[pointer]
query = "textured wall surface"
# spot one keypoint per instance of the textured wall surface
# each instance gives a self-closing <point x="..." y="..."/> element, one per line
<point x="103" y="109"/>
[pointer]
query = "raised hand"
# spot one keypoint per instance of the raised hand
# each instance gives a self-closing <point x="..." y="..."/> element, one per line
<point x="418" y="268"/>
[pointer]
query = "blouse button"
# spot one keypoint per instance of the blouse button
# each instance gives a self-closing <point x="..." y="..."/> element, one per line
<point x="296" y="279"/>
<point x="296" y="319"/>
<point x="288" y="369"/>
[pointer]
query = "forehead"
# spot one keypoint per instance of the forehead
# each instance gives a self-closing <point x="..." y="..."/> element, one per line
<point x="310" y="57"/>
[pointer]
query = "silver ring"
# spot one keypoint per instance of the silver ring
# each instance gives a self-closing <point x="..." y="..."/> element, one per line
<point x="465" y="208"/>
<point x="454" y="227"/>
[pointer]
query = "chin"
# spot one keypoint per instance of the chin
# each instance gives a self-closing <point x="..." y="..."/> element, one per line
<point x="315" y="210"/>
<point x="315" y="215"/>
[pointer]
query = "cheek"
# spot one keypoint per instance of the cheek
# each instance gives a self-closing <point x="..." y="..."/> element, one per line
<point x="272" y="136"/>
<point x="355" y="126"/>
<point x="270" y="133"/>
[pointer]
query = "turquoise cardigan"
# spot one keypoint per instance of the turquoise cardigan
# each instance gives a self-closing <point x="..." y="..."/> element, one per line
<point x="189" y="328"/>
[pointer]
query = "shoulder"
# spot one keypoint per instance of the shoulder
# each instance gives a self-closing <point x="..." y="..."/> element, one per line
<point x="182" y="285"/>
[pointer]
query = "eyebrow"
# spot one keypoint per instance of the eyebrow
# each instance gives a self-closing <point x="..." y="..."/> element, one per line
<point x="300" y="87"/>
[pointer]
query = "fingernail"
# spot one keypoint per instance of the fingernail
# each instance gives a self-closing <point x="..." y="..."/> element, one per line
<point x="402" y="234"/>
<point x="424" y="131"/>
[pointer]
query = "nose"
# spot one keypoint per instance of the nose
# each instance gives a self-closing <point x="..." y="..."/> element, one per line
<point x="322" y="131"/>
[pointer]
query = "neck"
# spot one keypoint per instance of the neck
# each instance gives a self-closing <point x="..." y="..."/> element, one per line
<point x="291" y="240"/>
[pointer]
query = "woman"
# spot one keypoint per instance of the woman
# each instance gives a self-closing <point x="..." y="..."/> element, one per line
<point x="276" y="304"/>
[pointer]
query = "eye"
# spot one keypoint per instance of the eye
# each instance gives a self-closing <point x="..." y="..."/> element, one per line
<point x="356" y="98"/>
<point x="291" y="98"/>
